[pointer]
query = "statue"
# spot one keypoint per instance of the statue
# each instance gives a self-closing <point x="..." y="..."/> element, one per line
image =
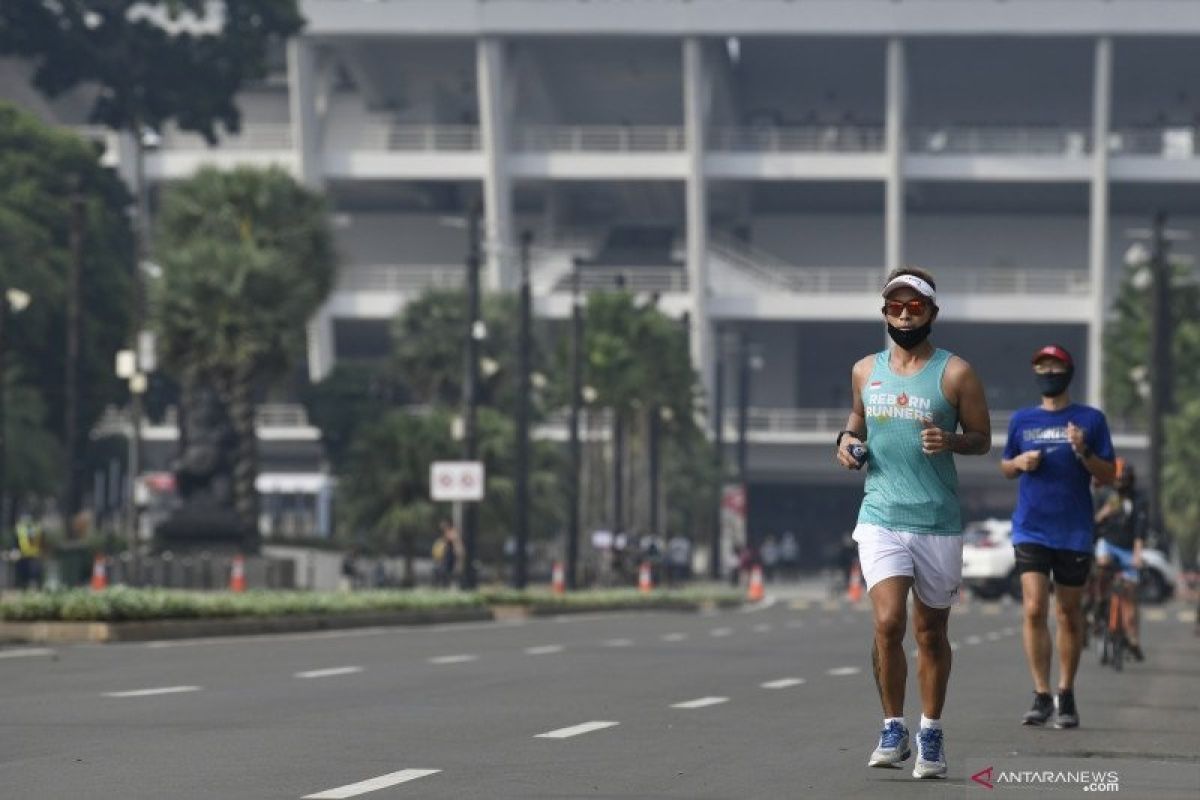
<point x="206" y="517"/>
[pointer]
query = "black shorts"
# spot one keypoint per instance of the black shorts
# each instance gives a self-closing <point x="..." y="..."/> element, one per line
<point x="1070" y="567"/>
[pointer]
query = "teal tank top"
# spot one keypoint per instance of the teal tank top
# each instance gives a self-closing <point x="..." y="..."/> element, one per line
<point x="907" y="490"/>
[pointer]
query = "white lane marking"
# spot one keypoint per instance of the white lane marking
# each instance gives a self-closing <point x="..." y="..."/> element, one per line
<point x="28" y="652"/>
<point x="1155" y="614"/>
<point x="762" y="627"/>
<point x="782" y="683"/>
<point x="701" y="702"/>
<point x="1009" y="631"/>
<point x="371" y="784"/>
<point x="719" y="632"/>
<point x="674" y="637"/>
<point x="991" y="611"/>
<point x="832" y="605"/>
<point x="953" y="646"/>
<point x="326" y="673"/>
<point x="458" y="659"/>
<point x="839" y="671"/>
<point x="152" y="692"/>
<point x="992" y="636"/>
<point x="576" y="730"/>
<point x="1186" y="616"/>
<point x="618" y="642"/>
<point x="795" y="623"/>
<point x="799" y="605"/>
<point x="543" y="650"/>
<point x="973" y="639"/>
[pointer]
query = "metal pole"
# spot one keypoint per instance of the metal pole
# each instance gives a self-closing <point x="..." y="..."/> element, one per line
<point x="471" y="392"/>
<point x="1160" y="364"/>
<point x="523" y="389"/>
<point x="743" y="355"/>
<point x="3" y="409"/>
<point x="718" y="416"/>
<point x="575" y="449"/>
<point x="142" y="250"/>
<point x="70" y="383"/>
<point x="653" y="458"/>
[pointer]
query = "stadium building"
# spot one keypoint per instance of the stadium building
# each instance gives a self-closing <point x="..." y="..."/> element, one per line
<point x="757" y="165"/>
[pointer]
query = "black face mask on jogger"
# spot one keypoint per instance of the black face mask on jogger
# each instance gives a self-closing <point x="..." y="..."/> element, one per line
<point x="911" y="337"/>
<point x="1052" y="384"/>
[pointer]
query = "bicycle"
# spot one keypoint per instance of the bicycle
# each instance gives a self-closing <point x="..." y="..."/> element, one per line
<point x="1108" y="622"/>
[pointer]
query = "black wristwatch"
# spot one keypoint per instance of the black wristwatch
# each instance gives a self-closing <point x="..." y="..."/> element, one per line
<point x="855" y="434"/>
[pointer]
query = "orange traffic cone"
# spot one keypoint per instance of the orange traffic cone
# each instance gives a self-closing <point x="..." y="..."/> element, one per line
<point x="755" y="592"/>
<point x="99" y="573"/>
<point x="558" y="578"/>
<point x="855" y="589"/>
<point x="645" y="578"/>
<point x="237" y="574"/>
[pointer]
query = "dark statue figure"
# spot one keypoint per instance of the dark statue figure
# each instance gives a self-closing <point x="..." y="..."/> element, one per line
<point x="206" y="517"/>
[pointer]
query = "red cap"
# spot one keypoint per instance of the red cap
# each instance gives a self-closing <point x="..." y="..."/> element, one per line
<point x="1054" y="351"/>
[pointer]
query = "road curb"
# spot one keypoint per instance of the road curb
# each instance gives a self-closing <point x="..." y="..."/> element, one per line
<point x="49" y="632"/>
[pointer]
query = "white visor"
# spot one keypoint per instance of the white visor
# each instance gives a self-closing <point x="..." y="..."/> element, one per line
<point x="921" y="287"/>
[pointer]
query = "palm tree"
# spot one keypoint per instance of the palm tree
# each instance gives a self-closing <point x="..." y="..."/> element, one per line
<point x="384" y="486"/>
<point x="247" y="258"/>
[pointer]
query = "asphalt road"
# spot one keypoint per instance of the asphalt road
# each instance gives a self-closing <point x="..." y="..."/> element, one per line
<point x="776" y="702"/>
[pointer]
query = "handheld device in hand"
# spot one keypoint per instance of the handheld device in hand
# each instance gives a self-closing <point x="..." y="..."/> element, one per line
<point x="859" y="453"/>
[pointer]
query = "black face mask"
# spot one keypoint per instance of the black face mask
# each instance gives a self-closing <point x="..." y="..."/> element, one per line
<point x="1052" y="384"/>
<point x="911" y="337"/>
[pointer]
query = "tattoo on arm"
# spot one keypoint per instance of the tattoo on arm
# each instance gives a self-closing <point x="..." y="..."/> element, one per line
<point x="876" y="670"/>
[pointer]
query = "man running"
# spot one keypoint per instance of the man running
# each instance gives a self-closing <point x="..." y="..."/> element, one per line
<point x="908" y="404"/>
<point x="1056" y="449"/>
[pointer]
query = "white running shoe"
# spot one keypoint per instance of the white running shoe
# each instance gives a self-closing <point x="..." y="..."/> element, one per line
<point x="893" y="747"/>
<point x="931" y="754"/>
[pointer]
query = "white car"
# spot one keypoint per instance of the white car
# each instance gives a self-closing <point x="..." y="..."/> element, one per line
<point x="989" y="564"/>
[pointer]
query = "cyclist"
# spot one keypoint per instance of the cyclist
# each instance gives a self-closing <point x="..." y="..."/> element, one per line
<point x="1123" y="519"/>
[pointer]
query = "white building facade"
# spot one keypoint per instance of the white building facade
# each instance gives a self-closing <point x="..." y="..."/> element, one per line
<point x="757" y="164"/>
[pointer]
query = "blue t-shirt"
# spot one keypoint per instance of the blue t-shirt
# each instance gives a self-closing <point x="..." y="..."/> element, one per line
<point x="1054" y="503"/>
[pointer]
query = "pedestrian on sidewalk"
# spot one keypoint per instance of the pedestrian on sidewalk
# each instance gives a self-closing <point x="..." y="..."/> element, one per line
<point x="1055" y="448"/>
<point x="908" y="404"/>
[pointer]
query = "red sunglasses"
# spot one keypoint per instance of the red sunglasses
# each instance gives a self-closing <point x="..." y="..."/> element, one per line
<point x="916" y="307"/>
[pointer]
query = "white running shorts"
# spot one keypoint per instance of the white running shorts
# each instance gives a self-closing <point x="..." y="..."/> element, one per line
<point x="933" y="561"/>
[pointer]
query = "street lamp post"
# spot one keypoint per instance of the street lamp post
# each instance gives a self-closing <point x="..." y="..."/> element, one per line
<point x="476" y="331"/>
<point x="523" y="390"/>
<point x="575" y="449"/>
<point x="16" y="301"/>
<point x="718" y="417"/>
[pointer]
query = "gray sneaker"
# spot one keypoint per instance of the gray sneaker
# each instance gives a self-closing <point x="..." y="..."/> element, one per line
<point x="893" y="747"/>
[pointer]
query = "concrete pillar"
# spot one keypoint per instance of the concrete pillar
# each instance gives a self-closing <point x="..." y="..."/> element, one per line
<point x="695" y="111"/>
<point x="302" y="98"/>
<point x="897" y="84"/>
<point x="495" y="108"/>
<point x="1098" y="217"/>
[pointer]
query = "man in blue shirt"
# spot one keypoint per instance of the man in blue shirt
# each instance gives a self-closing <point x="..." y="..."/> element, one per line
<point x="1056" y="449"/>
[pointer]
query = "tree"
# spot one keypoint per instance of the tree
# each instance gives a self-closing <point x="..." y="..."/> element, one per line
<point x="247" y="258"/>
<point x="154" y="60"/>
<point x="40" y="168"/>
<point x="429" y="349"/>
<point x="1126" y="376"/>
<point x="349" y="397"/>
<point x="384" y="485"/>
<point x="1181" y="501"/>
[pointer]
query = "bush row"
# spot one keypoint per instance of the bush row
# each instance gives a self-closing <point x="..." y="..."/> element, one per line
<point x="121" y="604"/>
